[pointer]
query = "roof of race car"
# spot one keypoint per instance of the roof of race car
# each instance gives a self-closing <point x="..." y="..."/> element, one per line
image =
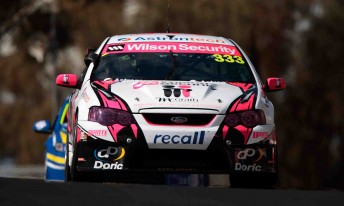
<point x="169" y="37"/>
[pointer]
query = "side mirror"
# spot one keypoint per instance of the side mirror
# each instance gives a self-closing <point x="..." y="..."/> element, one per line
<point x="90" y="56"/>
<point x="42" y="126"/>
<point x="67" y="80"/>
<point x="275" y="84"/>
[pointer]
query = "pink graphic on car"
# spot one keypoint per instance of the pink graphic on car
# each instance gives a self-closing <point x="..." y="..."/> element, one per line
<point x="240" y="105"/>
<point x="138" y="85"/>
<point x="114" y="103"/>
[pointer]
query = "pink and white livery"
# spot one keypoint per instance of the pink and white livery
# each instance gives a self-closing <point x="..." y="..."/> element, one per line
<point x="169" y="102"/>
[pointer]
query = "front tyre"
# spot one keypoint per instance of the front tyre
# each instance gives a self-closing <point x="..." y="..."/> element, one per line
<point x="81" y="176"/>
<point x="68" y="176"/>
<point x="264" y="180"/>
<point x="75" y="175"/>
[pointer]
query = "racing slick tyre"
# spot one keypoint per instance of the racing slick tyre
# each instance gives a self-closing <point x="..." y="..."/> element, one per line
<point x="138" y="178"/>
<point x="265" y="180"/>
<point x="72" y="173"/>
<point x="255" y="180"/>
<point x="82" y="176"/>
<point x="68" y="176"/>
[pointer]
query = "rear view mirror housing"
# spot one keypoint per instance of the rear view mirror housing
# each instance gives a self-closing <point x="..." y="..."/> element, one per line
<point x="42" y="126"/>
<point x="274" y="84"/>
<point x="67" y="80"/>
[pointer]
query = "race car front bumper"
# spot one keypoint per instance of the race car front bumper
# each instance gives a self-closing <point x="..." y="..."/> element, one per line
<point x="134" y="155"/>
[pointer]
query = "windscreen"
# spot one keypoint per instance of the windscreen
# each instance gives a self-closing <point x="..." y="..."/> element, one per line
<point x="172" y="65"/>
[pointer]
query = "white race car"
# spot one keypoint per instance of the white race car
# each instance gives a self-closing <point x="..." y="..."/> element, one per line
<point x="170" y="102"/>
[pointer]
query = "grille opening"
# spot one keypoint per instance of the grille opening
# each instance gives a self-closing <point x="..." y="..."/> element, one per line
<point x="185" y="119"/>
<point x="172" y="159"/>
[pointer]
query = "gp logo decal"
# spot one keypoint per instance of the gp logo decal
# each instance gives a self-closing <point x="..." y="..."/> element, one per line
<point x="250" y="154"/>
<point x="166" y="47"/>
<point x="109" y="154"/>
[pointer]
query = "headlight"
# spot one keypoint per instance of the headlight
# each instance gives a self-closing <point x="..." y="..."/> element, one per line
<point x="249" y="118"/>
<point x="232" y="119"/>
<point x="108" y="116"/>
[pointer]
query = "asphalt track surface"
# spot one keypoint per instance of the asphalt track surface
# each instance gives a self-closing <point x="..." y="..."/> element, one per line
<point x="15" y="191"/>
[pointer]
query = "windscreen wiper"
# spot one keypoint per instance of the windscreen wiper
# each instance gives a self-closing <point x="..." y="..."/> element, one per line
<point x="172" y="72"/>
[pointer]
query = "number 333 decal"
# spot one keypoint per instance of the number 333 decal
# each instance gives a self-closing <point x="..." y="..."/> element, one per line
<point x="228" y="58"/>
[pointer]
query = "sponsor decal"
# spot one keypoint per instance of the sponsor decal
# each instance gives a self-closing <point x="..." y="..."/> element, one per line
<point x="59" y="147"/>
<point x="65" y="79"/>
<point x="205" y="84"/>
<point x="162" y="102"/>
<point x="196" y="138"/>
<point x="115" y="48"/>
<point x="173" y="38"/>
<point x="244" y="167"/>
<point x="109" y="154"/>
<point x="177" y="91"/>
<point x="253" y="155"/>
<point x="162" y="99"/>
<point x="85" y="96"/>
<point x="181" y="85"/>
<point x="166" y="47"/>
<point x="107" y="166"/>
<point x="97" y="132"/>
<point x="83" y="136"/>
<point x="260" y="134"/>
